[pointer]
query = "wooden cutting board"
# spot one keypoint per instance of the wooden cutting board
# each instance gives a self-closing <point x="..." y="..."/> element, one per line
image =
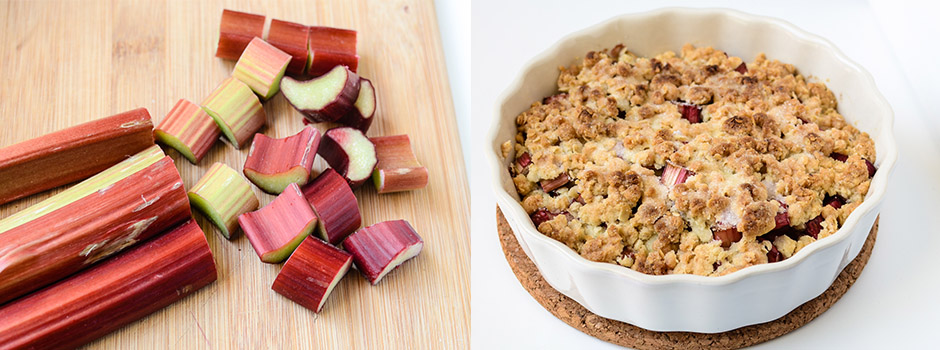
<point x="64" y="63"/>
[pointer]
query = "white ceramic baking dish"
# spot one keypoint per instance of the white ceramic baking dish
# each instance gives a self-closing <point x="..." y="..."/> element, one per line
<point x="693" y="303"/>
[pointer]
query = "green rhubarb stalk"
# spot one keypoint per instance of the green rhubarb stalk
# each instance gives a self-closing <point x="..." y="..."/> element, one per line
<point x="236" y="110"/>
<point x="222" y="195"/>
<point x="261" y="67"/>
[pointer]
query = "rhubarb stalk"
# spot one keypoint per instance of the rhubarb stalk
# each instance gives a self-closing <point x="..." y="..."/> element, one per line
<point x="350" y="152"/>
<point x="275" y="230"/>
<point x="72" y="154"/>
<point x="380" y="248"/>
<point x="235" y="32"/>
<point x="112" y="294"/>
<point x="261" y="67"/>
<point x="335" y="205"/>
<point x="330" y="47"/>
<point x="189" y="130"/>
<point x="397" y="168"/>
<point x="222" y="194"/>
<point x="292" y="38"/>
<point x="674" y="175"/>
<point x="311" y="273"/>
<point x="361" y="116"/>
<point x="326" y="98"/>
<point x="236" y="110"/>
<point x="273" y="164"/>
<point x="90" y="221"/>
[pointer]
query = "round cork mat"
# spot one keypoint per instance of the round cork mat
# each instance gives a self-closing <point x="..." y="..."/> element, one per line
<point x="624" y="334"/>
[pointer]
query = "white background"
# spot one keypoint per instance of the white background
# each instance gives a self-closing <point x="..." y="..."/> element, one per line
<point x="896" y="301"/>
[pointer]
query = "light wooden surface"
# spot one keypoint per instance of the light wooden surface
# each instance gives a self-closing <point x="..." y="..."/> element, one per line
<point x="68" y="62"/>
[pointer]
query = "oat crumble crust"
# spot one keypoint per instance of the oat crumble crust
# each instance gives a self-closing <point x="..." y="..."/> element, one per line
<point x="768" y="143"/>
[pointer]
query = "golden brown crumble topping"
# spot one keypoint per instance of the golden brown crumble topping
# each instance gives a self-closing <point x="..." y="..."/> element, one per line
<point x="691" y="163"/>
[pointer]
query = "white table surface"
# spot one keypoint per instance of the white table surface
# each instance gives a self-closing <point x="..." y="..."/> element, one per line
<point x="896" y="301"/>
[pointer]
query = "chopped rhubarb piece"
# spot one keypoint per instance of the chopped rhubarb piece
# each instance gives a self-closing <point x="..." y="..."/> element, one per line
<point x="189" y="130"/>
<point x="273" y="164"/>
<point x="330" y="47"/>
<point x="397" y="168"/>
<point x="222" y="195"/>
<point x="361" y="116"/>
<point x="261" y="67"/>
<point x="72" y="154"/>
<point x="835" y="201"/>
<point x="580" y="199"/>
<point x="838" y="156"/>
<point x="814" y="226"/>
<point x="871" y="168"/>
<point x="742" y="68"/>
<point x="782" y="219"/>
<point x="326" y="98"/>
<point x="311" y="273"/>
<point x="124" y="204"/>
<point x="292" y="38"/>
<point x="555" y="98"/>
<point x="350" y="152"/>
<point x="109" y="295"/>
<point x="335" y="205"/>
<point x="236" y="110"/>
<point x="524" y="160"/>
<point x="774" y="255"/>
<point x="275" y="230"/>
<point x="542" y="215"/>
<point x="380" y="248"/>
<point x="727" y="236"/>
<point x="690" y="112"/>
<point x="235" y="32"/>
<point x="674" y="175"/>
<point x="554" y="184"/>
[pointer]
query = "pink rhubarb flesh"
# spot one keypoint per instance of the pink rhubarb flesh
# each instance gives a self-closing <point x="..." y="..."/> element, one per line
<point x="380" y="248"/>
<point x="311" y="273"/>
<point x="350" y="152"/>
<point x="275" y="230"/>
<point x="72" y="154"/>
<point x="236" y="110"/>
<point x="397" y="168"/>
<point x="109" y="295"/>
<point x="335" y="205"/>
<point x="330" y="47"/>
<point x="273" y="164"/>
<point x="189" y="130"/>
<point x="235" y="32"/>
<point x="326" y="98"/>
<point x="292" y="38"/>
<point x="261" y="67"/>
<point x="674" y="175"/>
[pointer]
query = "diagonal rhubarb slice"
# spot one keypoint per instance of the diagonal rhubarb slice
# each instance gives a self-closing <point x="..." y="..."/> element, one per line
<point x="397" y="168"/>
<point x="326" y="98"/>
<point x="335" y="205"/>
<point x="236" y="110"/>
<point x="275" y="230"/>
<point x="311" y="273"/>
<point x="109" y="295"/>
<point x="361" y="116"/>
<point x="380" y="248"/>
<point x="222" y="195"/>
<point x="330" y="47"/>
<point x="261" y="67"/>
<point x="292" y="38"/>
<point x="235" y="32"/>
<point x="72" y="154"/>
<point x="350" y="152"/>
<point x="90" y="221"/>
<point x="189" y="130"/>
<point x="273" y="164"/>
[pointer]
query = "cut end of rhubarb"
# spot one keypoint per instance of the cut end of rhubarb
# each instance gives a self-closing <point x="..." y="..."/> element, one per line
<point x="235" y="32"/>
<point x="236" y="110"/>
<point x="311" y="273"/>
<point x="222" y="195"/>
<point x="276" y="230"/>
<point x="335" y="205"/>
<point x="329" y="47"/>
<point x="292" y="38"/>
<point x="273" y="164"/>
<point x="261" y="67"/>
<point x="326" y="98"/>
<point x="397" y="168"/>
<point x="350" y="152"/>
<point x="380" y="248"/>
<point x="361" y="117"/>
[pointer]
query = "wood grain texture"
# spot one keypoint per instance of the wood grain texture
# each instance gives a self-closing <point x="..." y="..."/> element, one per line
<point x="69" y="62"/>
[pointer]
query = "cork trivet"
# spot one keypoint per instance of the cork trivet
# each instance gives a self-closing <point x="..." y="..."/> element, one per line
<point x="624" y="334"/>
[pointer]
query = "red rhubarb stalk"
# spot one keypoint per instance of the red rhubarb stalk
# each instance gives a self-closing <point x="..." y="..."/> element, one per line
<point x="350" y="152"/>
<point x="380" y="248"/>
<point x="782" y="219"/>
<point x="275" y="230"/>
<point x="235" y="32"/>
<point x="311" y="273"/>
<point x="554" y="184"/>
<point x="109" y="295"/>
<point x="330" y="47"/>
<point x="125" y="204"/>
<point x="335" y="205"/>
<point x="261" y="67"/>
<point x="189" y="130"/>
<point x="524" y="160"/>
<point x="361" y="116"/>
<point x="690" y="112"/>
<point x="273" y="164"/>
<point x="292" y="38"/>
<point x="727" y="236"/>
<point x="674" y="175"/>
<point x="72" y="154"/>
<point x="397" y="168"/>
<point x="326" y="98"/>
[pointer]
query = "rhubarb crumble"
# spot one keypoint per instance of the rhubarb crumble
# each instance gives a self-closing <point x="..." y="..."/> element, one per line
<point x="689" y="163"/>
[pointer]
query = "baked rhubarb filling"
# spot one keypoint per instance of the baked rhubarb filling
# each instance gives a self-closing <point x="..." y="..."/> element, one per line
<point x="688" y="163"/>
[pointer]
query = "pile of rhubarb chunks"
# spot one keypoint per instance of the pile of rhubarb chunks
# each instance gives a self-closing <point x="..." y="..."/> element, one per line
<point x="122" y="243"/>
